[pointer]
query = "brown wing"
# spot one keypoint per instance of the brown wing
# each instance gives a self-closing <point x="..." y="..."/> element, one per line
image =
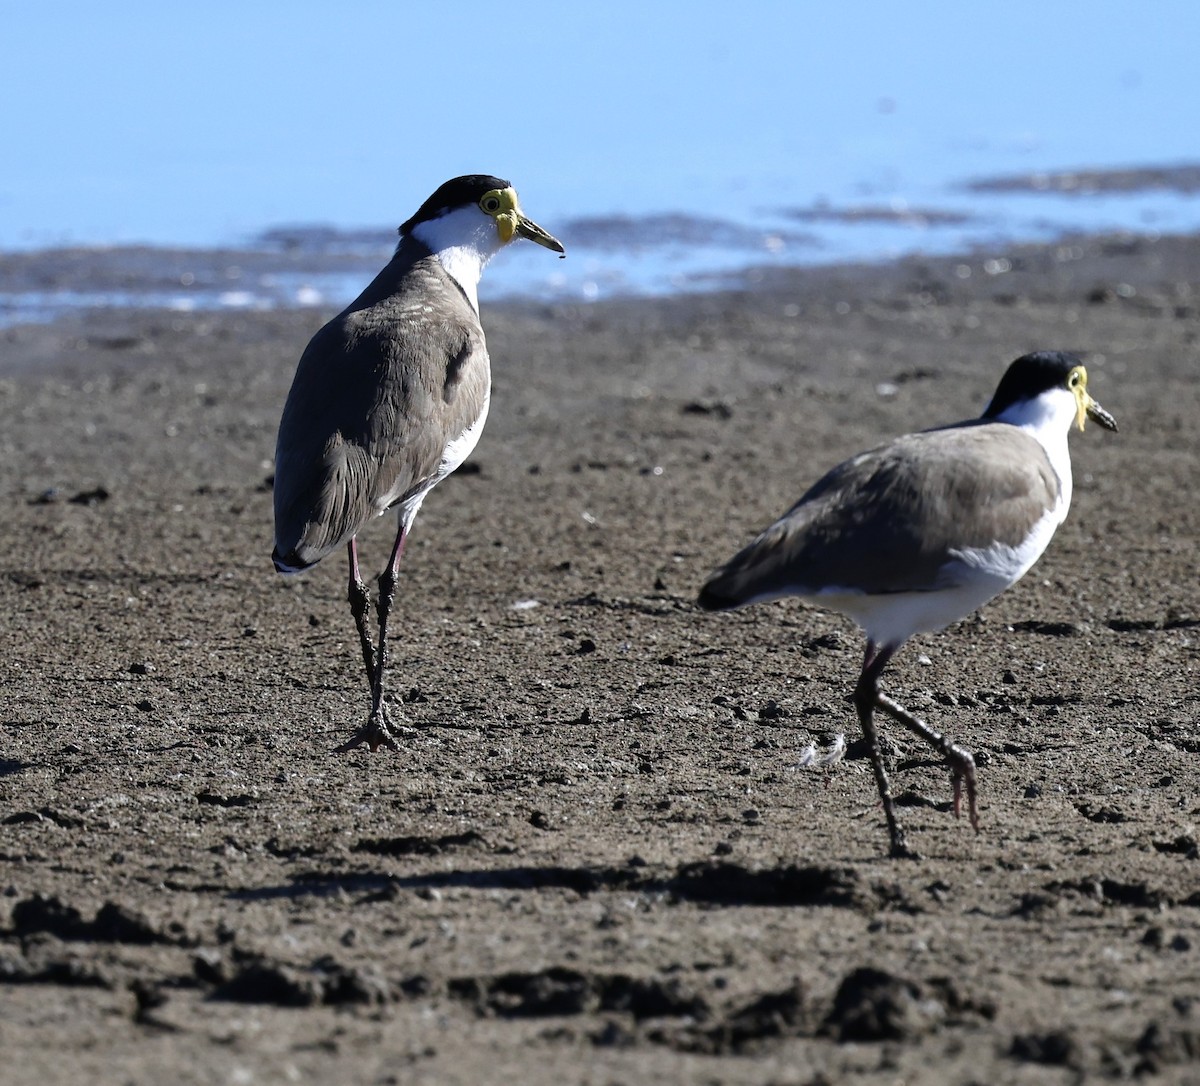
<point x="887" y="520"/>
<point x="378" y="394"/>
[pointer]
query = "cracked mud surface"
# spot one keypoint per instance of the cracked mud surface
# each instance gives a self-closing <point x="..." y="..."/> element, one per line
<point x="593" y="860"/>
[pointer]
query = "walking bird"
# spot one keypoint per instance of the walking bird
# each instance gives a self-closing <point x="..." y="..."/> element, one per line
<point x="921" y="531"/>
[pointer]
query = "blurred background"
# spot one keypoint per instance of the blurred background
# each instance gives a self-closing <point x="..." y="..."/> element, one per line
<point x="671" y="146"/>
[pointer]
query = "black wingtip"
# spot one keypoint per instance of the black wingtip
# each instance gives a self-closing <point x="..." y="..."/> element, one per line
<point x="710" y="600"/>
<point x="288" y="563"/>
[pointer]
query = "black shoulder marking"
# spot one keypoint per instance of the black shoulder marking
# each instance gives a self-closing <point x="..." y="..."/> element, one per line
<point x="454" y="368"/>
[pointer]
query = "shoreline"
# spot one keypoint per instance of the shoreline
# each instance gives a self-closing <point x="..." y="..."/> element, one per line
<point x="43" y="284"/>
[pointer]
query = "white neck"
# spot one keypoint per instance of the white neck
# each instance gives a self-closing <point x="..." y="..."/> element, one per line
<point x="1048" y="418"/>
<point x="464" y="241"/>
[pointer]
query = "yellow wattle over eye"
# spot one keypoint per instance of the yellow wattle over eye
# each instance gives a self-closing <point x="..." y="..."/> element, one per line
<point x="1077" y="383"/>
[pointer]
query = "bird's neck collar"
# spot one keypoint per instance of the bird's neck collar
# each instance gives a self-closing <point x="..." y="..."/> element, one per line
<point x="463" y="242"/>
<point x="1048" y="417"/>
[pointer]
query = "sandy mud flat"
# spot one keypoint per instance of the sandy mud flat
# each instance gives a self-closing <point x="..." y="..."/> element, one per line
<point x="594" y="861"/>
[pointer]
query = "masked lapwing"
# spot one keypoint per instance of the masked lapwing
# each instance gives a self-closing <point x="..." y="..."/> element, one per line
<point x="389" y="398"/>
<point x="921" y="531"/>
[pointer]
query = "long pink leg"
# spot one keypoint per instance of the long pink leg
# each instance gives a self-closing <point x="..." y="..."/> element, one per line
<point x="867" y="696"/>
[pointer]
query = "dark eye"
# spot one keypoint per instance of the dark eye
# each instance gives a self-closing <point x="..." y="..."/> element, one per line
<point x="491" y="204"/>
<point x="1074" y="380"/>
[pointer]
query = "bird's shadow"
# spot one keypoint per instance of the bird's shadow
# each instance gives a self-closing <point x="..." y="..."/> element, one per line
<point x="718" y="883"/>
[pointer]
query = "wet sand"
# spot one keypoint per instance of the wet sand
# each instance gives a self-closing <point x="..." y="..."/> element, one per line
<point x="593" y="860"/>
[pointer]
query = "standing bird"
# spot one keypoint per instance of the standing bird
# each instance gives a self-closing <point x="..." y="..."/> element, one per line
<point x="390" y="397"/>
<point x="918" y="533"/>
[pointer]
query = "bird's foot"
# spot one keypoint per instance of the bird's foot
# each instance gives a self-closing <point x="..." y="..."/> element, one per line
<point x="961" y="762"/>
<point x="375" y="733"/>
<point x="900" y="849"/>
<point x="963" y="769"/>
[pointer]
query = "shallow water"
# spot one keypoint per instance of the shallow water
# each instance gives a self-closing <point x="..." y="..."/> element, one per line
<point x="609" y="256"/>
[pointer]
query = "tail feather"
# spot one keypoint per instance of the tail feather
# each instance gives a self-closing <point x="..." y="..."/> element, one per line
<point x="290" y="562"/>
<point x="712" y="598"/>
<point x="765" y="569"/>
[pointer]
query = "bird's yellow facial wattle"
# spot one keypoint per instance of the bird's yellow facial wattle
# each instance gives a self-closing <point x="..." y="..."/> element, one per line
<point x="1085" y="407"/>
<point x="502" y="205"/>
<point x="1077" y="382"/>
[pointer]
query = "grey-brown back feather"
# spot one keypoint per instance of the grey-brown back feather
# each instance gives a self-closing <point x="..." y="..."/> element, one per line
<point x="887" y="520"/>
<point x="378" y="394"/>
